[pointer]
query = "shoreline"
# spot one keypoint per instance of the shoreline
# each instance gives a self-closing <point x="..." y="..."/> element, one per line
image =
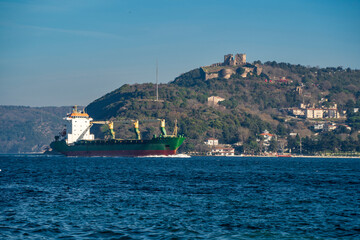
<point x="189" y="155"/>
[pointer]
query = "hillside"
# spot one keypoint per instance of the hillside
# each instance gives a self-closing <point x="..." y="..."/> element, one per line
<point x="252" y="104"/>
<point x="28" y="129"/>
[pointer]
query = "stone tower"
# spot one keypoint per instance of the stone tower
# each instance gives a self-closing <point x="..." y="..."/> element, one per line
<point x="240" y="59"/>
<point x="229" y="60"/>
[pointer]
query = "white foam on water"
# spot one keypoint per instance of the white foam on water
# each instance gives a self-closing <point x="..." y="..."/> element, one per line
<point x="169" y="156"/>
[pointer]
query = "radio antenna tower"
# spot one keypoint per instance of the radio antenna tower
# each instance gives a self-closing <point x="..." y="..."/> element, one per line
<point x="157" y="86"/>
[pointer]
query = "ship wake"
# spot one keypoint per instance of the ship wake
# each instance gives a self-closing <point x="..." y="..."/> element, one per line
<point x="168" y="156"/>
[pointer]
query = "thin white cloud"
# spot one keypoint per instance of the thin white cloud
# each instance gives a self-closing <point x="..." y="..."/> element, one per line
<point x="66" y="31"/>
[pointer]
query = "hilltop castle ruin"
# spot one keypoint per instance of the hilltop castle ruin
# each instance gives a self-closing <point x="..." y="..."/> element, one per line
<point x="229" y="67"/>
<point x="229" y="60"/>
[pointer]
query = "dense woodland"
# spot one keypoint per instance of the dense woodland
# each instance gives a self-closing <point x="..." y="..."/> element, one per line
<point x="252" y="105"/>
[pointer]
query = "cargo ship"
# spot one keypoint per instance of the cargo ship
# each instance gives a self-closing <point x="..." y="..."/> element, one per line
<point x="76" y="139"/>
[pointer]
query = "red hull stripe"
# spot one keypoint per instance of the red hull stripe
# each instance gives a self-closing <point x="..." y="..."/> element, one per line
<point x="131" y="153"/>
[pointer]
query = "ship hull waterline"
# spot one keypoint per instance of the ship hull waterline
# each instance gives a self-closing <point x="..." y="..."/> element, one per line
<point x="131" y="148"/>
<point x="124" y="153"/>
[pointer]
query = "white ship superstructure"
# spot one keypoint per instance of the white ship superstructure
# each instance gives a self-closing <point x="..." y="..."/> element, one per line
<point x="79" y="126"/>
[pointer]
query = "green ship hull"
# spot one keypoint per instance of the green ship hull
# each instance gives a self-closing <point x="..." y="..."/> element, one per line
<point x="167" y="145"/>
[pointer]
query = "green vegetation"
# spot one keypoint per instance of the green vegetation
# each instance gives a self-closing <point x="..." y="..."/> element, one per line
<point x="328" y="142"/>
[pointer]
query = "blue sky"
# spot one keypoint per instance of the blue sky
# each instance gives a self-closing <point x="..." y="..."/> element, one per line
<point x="55" y="53"/>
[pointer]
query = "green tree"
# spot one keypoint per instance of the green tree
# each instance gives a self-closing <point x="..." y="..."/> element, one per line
<point x="281" y="130"/>
<point x="294" y="144"/>
<point x="273" y="145"/>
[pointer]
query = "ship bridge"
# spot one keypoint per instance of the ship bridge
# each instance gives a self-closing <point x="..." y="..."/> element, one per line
<point x="79" y="126"/>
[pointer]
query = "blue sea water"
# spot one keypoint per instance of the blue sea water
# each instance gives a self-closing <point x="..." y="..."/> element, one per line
<point x="57" y="197"/>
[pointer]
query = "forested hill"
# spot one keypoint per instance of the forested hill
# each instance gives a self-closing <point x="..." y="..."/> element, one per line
<point x="29" y="129"/>
<point x="252" y="104"/>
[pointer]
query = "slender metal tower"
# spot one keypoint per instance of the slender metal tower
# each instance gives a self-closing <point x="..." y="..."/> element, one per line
<point x="157" y="79"/>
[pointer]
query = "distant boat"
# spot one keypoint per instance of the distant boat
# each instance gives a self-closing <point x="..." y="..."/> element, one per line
<point x="283" y="155"/>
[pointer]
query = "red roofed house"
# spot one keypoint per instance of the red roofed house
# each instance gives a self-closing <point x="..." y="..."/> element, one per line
<point x="267" y="136"/>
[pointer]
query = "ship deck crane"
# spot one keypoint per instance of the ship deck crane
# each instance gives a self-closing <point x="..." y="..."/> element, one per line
<point x="136" y="127"/>
<point x="109" y="123"/>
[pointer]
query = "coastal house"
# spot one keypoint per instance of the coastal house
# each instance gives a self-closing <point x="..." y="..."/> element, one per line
<point x="267" y="136"/>
<point x="217" y="149"/>
<point x="212" y="142"/>
<point x="221" y="151"/>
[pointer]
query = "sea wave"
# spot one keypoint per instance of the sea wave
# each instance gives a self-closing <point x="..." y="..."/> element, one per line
<point x="169" y="197"/>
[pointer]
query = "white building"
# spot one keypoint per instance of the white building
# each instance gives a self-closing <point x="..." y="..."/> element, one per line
<point x="221" y="151"/>
<point x="298" y="111"/>
<point x="314" y="113"/>
<point x="212" y="142"/>
<point x="319" y="126"/>
<point x="78" y="127"/>
<point x="214" y="100"/>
